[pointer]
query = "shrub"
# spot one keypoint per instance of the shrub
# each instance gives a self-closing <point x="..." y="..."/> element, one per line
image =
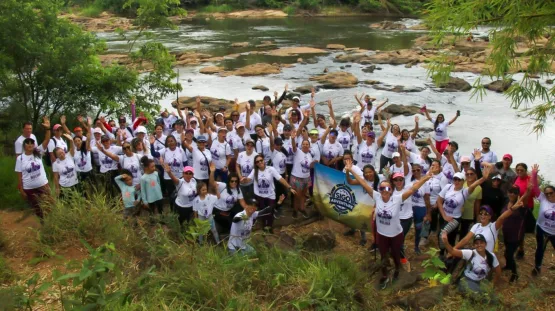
<point x="223" y="8"/>
<point x="312" y="5"/>
<point x="6" y="273"/>
<point x="92" y="10"/>
<point x="9" y="195"/>
<point x="290" y="10"/>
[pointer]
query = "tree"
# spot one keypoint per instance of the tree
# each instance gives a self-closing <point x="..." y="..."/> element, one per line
<point x="49" y="66"/>
<point x="512" y="22"/>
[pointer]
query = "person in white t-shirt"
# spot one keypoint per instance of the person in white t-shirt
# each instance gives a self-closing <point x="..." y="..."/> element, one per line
<point x="108" y="167"/>
<point x="32" y="180"/>
<point x="421" y="207"/>
<point x="545" y="224"/>
<point x="242" y="227"/>
<point x="264" y="187"/>
<point x="389" y="230"/>
<point x="56" y="141"/>
<point x="203" y="206"/>
<point x="367" y="150"/>
<point x="480" y="262"/>
<point x="391" y="141"/>
<point x="488" y="155"/>
<point x="201" y="158"/>
<point x="27" y="133"/>
<point x="320" y="119"/>
<point x="409" y="138"/>
<point x="300" y="174"/>
<point x="244" y="166"/>
<point x="231" y="199"/>
<point x="367" y="108"/>
<point x="440" y="129"/>
<point x="253" y="118"/>
<point x="128" y="160"/>
<point x="222" y="153"/>
<point x="406" y="213"/>
<point x="83" y="157"/>
<point x="64" y="169"/>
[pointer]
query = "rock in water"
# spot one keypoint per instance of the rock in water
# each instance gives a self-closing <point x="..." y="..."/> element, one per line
<point x="369" y="69"/>
<point x="259" y="69"/>
<point x="319" y="241"/>
<point x="336" y="80"/>
<point x="240" y="44"/>
<point x="260" y="87"/>
<point x="305" y="89"/>
<point x="455" y="85"/>
<point x="549" y="81"/>
<point x="388" y="25"/>
<point x="335" y="46"/>
<point x="499" y="86"/>
<point x="211" y="70"/>
<point x="398" y="88"/>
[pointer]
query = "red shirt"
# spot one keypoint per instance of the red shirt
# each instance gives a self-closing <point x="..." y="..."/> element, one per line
<point x="522" y="184"/>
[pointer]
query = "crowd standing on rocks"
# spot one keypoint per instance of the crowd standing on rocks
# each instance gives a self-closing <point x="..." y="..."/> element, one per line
<point x="233" y="166"/>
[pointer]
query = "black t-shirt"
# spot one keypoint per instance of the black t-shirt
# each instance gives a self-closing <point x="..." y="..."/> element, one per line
<point x="494" y="197"/>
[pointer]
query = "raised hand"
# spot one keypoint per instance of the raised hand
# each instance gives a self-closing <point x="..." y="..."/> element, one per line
<point x="356" y="118"/>
<point x="166" y="167"/>
<point x="89" y="121"/>
<point x="63" y="119"/>
<point x="212" y="166"/>
<point x="486" y="171"/>
<point x="535" y="168"/>
<point x="45" y="122"/>
<point x="269" y="127"/>
<point x="80" y="119"/>
<point x="329" y="103"/>
<point x="312" y="92"/>
<point x="133" y="100"/>
<point x="477" y="154"/>
<point x="197" y="100"/>
<point x="275" y="94"/>
<point x="348" y="164"/>
<point x="312" y="103"/>
<point x="152" y="139"/>
<point x="306" y="114"/>
<point x="99" y="146"/>
<point x="416" y="119"/>
<point x="248" y="107"/>
<point x="286" y="86"/>
<point x="66" y="135"/>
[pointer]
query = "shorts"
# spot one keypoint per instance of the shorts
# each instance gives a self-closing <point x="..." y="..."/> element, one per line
<point x="300" y="183"/>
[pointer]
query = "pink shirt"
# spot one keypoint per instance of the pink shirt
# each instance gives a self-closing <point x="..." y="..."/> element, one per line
<point x="522" y="184"/>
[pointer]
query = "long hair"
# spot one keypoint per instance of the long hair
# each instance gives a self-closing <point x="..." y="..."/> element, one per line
<point x="168" y="137"/>
<point x="376" y="181"/>
<point x="83" y="148"/>
<point x="256" y="166"/>
<point x="228" y="188"/>
<point x="29" y="141"/>
<point x="436" y="123"/>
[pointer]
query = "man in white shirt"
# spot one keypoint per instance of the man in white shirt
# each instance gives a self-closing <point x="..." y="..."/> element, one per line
<point x="296" y="105"/>
<point x="254" y="119"/>
<point x="488" y="155"/>
<point x="27" y="133"/>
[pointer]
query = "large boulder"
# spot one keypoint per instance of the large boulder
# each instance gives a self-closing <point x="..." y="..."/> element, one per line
<point x="319" y="241"/>
<point x="351" y="58"/>
<point x="265" y="44"/>
<point x="211" y="70"/>
<point x="259" y="69"/>
<point x="210" y="103"/>
<point x="260" y="87"/>
<point x="399" y="57"/>
<point x="294" y="51"/>
<point x="499" y="86"/>
<point x="336" y="80"/>
<point x="305" y="89"/>
<point x="388" y="25"/>
<point x="335" y="46"/>
<point x="398" y="88"/>
<point x="455" y="85"/>
<point x="394" y="110"/>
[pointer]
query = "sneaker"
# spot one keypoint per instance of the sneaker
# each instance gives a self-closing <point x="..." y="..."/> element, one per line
<point x="514" y="278"/>
<point x="383" y="282"/>
<point x="362" y="242"/>
<point x="349" y="232"/>
<point x="395" y="275"/>
<point x="536" y="272"/>
<point x="520" y="255"/>
<point x="423" y="242"/>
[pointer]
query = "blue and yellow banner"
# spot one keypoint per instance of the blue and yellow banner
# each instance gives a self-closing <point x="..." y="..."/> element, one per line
<point x="335" y="198"/>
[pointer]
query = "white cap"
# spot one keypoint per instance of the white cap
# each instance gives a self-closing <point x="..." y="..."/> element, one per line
<point x="297" y="98"/>
<point x="97" y="130"/>
<point x="140" y="129"/>
<point x="395" y="154"/>
<point x="459" y="175"/>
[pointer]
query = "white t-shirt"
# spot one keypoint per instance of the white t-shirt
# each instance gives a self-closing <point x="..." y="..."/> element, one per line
<point x="440" y="132"/>
<point x="436" y="183"/>
<point x="238" y="142"/>
<point x="366" y="154"/>
<point x="357" y="170"/>
<point x="204" y="207"/>
<point x="246" y="163"/>
<point x="254" y="121"/>
<point x="82" y="163"/>
<point x="66" y="170"/>
<point x="201" y="163"/>
<point x="387" y="215"/>
<point x="288" y="146"/>
<point x="262" y="147"/>
<point x="174" y="159"/>
<point x="19" y="143"/>
<point x="186" y="192"/>
<point x="417" y="159"/>
<point x="418" y="195"/>
<point x="129" y="134"/>
<point x="168" y="122"/>
<point x="159" y="144"/>
<point x="391" y="145"/>
<point x="345" y="138"/>
<point x="106" y="163"/>
<point x="264" y="185"/>
<point x="177" y="136"/>
<point x="32" y="171"/>
<point x="278" y="161"/>
<point x="448" y="169"/>
<point x="58" y="143"/>
<point x="330" y="151"/>
<point x="133" y="164"/>
<point x="301" y="165"/>
<point x="406" y="206"/>
<point x="241" y="231"/>
<point x="453" y="200"/>
<point x="478" y="268"/>
<point x="489" y="232"/>
<point x="227" y="201"/>
<point x="368" y="115"/>
<point x="220" y="152"/>
<point x="315" y="150"/>
<point x="546" y="215"/>
<point x="488" y="157"/>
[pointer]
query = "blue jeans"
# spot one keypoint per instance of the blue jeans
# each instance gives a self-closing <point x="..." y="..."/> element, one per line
<point x="419" y="212"/>
<point x="248" y="250"/>
<point x="405" y="223"/>
<point x="540" y="246"/>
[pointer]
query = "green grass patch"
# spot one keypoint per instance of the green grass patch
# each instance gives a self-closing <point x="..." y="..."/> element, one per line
<point x="290" y="10"/>
<point x="92" y="10"/>
<point x="222" y="8"/>
<point x="10" y="197"/>
<point x="6" y="273"/>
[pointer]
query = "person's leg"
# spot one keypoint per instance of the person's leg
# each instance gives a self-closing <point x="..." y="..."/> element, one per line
<point x="160" y="171"/>
<point x="396" y="244"/>
<point x="311" y="188"/>
<point x="33" y="200"/>
<point x="374" y="233"/>
<point x="214" y="230"/>
<point x="383" y="162"/>
<point x="435" y="220"/>
<point x="280" y="189"/>
<point x="540" y="249"/>
<point x="510" y="263"/>
<point x="405" y="224"/>
<point x="181" y="214"/>
<point x="465" y="227"/>
<point x="419" y="213"/>
<point x="170" y="188"/>
<point x="383" y="247"/>
<point x="188" y="214"/>
<point x="160" y="206"/>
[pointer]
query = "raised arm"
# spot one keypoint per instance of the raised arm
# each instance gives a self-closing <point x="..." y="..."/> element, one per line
<point x="212" y="181"/>
<point x="453" y="251"/>
<point x="416" y="128"/>
<point x="89" y="134"/>
<point x="47" y="133"/>
<point x="106" y="152"/>
<point x="384" y="132"/>
<point x="380" y="121"/>
<point x="382" y="104"/>
<point x="332" y="114"/>
<point x="433" y="147"/>
<point x="428" y="115"/>
<point x="510" y="209"/>
<point x="169" y="171"/>
<point x="451" y="159"/>
<point x="362" y="106"/>
<point x="325" y="135"/>
<point x="248" y="120"/>
<point x="313" y="111"/>
<point x="356" y="129"/>
<point x="464" y="241"/>
<point x="416" y="186"/>
<point x="294" y="140"/>
<point x="70" y="143"/>
<point x="348" y="171"/>
<point x="535" y="185"/>
<point x="454" y="118"/>
<point x="403" y="150"/>
<point x="480" y="181"/>
<point x="64" y="126"/>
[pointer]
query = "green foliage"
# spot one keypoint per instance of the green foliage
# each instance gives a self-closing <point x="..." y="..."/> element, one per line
<point x="271" y="4"/>
<point x="9" y="196"/>
<point x="92" y="10"/>
<point x="290" y="10"/>
<point x="370" y="5"/>
<point x="6" y="273"/>
<point x="222" y="8"/>
<point x="312" y="5"/>
<point x="434" y="266"/>
<point x="511" y="22"/>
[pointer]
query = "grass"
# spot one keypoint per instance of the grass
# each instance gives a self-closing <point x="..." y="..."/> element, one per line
<point x="9" y="195"/>
<point x="92" y="10"/>
<point x="222" y="8"/>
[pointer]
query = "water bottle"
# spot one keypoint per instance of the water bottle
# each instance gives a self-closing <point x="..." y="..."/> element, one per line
<point x="450" y="227"/>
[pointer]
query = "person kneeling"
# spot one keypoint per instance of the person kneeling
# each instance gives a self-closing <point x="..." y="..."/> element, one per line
<point x="242" y="226"/>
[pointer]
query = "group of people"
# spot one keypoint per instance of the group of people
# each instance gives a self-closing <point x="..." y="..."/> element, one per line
<point x="232" y="167"/>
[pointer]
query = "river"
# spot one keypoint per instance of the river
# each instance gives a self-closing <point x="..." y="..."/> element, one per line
<point x="491" y="116"/>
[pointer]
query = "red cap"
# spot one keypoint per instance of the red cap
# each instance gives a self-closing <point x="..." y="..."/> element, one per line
<point x="508" y="156"/>
<point x="77" y="129"/>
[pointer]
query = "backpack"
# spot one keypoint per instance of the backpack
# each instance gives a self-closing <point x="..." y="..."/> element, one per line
<point x="131" y="131"/>
<point x="46" y="157"/>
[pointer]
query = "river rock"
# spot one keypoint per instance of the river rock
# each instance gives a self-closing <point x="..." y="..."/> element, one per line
<point x="259" y="69"/>
<point x="239" y="44"/>
<point x="399" y="57"/>
<point x="499" y="86"/>
<point x="351" y="58"/>
<point x="335" y="46"/>
<point x="260" y="87"/>
<point x="398" y="88"/>
<point x="291" y="95"/>
<point x="397" y="110"/>
<point x="266" y="44"/>
<point x="388" y="25"/>
<point x="300" y="60"/>
<point x="294" y="51"/>
<point x="422" y="300"/>
<point x="455" y="85"/>
<point x="305" y="89"/>
<point x="369" y="69"/>
<point x="371" y="82"/>
<point x="311" y="61"/>
<point x="211" y="70"/>
<point x="190" y="102"/>
<point x="106" y="22"/>
<point x="419" y="27"/>
<point x="549" y="81"/>
<point x="319" y="241"/>
<point x="336" y="80"/>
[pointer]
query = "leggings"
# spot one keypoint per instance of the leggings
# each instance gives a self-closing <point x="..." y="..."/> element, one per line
<point x="435" y="219"/>
<point x="385" y="161"/>
<point x="451" y="236"/>
<point x="160" y="170"/>
<point x="267" y="220"/>
<point x="170" y="188"/>
<point x="510" y="250"/>
<point x="419" y="212"/>
<point x="280" y="189"/>
<point x="184" y="213"/>
<point x="391" y="245"/>
<point x="34" y="197"/>
<point x="156" y="205"/>
<point x="441" y="145"/>
<point x="405" y="224"/>
<point x="465" y="227"/>
<point x="541" y="245"/>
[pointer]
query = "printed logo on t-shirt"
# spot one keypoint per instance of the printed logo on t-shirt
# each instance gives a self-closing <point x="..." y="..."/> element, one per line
<point x="344" y="141"/>
<point x="449" y="205"/>
<point x="391" y="146"/>
<point x="366" y="157"/>
<point x="204" y="165"/>
<point x="107" y="161"/>
<point x="215" y="155"/>
<point x="192" y="195"/>
<point x="263" y="186"/>
<point x="384" y="217"/>
<point x="230" y="201"/>
<point x="281" y="164"/>
<point x="439" y="131"/>
<point x="305" y="166"/>
<point x="34" y="167"/>
<point x="68" y="172"/>
<point x="82" y="163"/>
<point x="175" y="166"/>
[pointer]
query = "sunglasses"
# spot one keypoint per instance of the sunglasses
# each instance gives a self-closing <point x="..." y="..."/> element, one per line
<point x="314" y="134"/>
<point x="484" y="213"/>
<point x="548" y="194"/>
<point x="457" y="179"/>
<point x="233" y="181"/>
<point x="188" y="173"/>
<point x="126" y="147"/>
<point x="384" y="188"/>
<point x="234" y="115"/>
<point x="258" y="161"/>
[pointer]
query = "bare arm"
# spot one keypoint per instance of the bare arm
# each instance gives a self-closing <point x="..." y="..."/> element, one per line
<point x="384" y="132"/>
<point x="464" y="241"/>
<point x="510" y="209"/>
<point x="382" y="104"/>
<point x="454" y="119"/>
<point x="362" y="106"/>
<point x="47" y="133"/>
<point x="434" y="150"/>
<point x="416" y="127"/>
<point x="416" y="186"/>
<point x="169" y="171"/>
<point x="428" y="115"/>
<point x="106" y="152"/>
<point x="64" y="126"/>
<point x="453" y="251"/>
<point x="70" y="143"/>
<point x="348" y="171"/>
<point x="479" y="181"/>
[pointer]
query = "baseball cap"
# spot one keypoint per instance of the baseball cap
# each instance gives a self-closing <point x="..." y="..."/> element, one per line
<point x="188" y="169"/>
<point x="179" y="122"/>
<point x="56" y="126"/>
<point x="498" y="176"/>
<point x="191" y="120"/>
<point x="398" y="175"/>
<point x="334" y="132"/>
<point x="487" y="208"/>
<point x="278" y="141"/>
<point x="287" y="127"/>
<point x="459" y="175"/>
<point x="77" y="129"/>
<point x="239" y="124"/>
<point x="249" y="141"/>
<point x="219" y="114"/>
<point x="479" y="237"/>
<point x="201" y="139"/>
<point x="221" y="108"/>
<point x="223" y="128"/>
<point x="141" y="129"/>
<point x="508" y="157"/>
<point x="97" y="130"/>
<point x="465" y="159"/>
<point x="395" y="154"/>
<point x="297" y="98"/>
<point x="371" y="134"/>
